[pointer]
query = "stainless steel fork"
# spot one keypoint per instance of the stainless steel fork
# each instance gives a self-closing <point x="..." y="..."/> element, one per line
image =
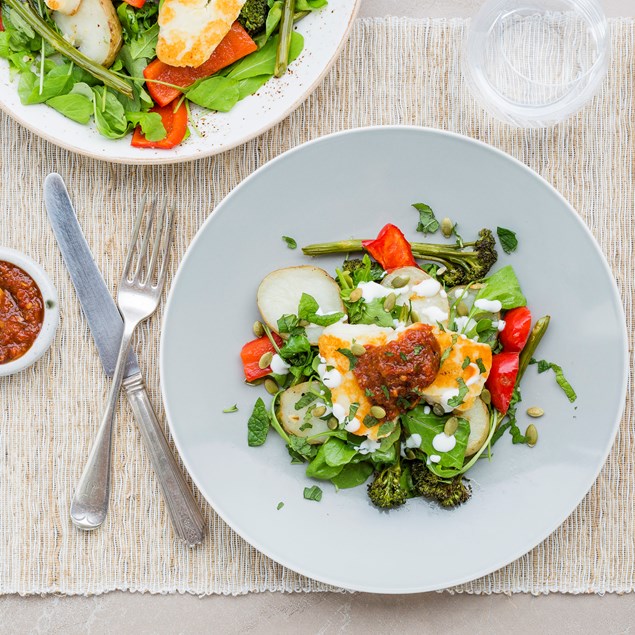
<point x="138" y="298"/>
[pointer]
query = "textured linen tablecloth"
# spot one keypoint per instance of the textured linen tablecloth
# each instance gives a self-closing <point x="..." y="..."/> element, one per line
<point x="392" y="71"/>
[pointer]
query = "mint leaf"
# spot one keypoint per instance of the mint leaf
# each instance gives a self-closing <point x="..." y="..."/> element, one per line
<point x="567" y="388"/>
<point x="352" y="359"/>
<point x="507" y="239"/>
<point x="291" y="243"/>
<point x="455" y="402"/>
<point x="258" y="424"/>
<point x="313" y="493"/>
<point x="428" y="224"/>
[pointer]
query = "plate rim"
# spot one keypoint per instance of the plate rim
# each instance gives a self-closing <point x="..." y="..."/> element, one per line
<point x="176" y="160"/>
<point x="370" y="588"/>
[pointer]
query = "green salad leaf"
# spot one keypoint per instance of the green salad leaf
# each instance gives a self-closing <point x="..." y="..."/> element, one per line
<point x="507" y="239"/>
<point x="307" y="310"/>
<point x="504" y="287"/>
<point x="428" y="426"/>
<point x="74" y="106"/>
<point x="428" y="224"/>
<point x="215" y="93"/>
<point x="263" y="61"/>
<point x="567" y="388"/>
<point x="353" y="474"/>
<point x="258" y="424"/>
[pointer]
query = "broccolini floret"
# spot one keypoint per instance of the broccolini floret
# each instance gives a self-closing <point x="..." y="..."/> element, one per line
<point x="253" y="15"/>
<point x="447" y="492"/>
<point x="364" y="268"/>
<point x="386" y="491"/>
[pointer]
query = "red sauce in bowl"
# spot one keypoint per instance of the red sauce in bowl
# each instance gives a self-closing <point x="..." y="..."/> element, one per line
<point x="21" y="312"/>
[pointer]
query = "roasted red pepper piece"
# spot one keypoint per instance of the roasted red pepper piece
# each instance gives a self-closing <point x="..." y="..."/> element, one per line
<point x="390" y="249"/>
<point x="234" y="46"/>
<point x="252" y="352"/>
<point x="175" y="125"/>
<point x="517" y="328"/>
<point x="137" y="4"/>
<point x="502" y="379"/>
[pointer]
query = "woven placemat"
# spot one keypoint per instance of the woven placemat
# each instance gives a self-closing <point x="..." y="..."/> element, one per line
<point x="392" y="71"/>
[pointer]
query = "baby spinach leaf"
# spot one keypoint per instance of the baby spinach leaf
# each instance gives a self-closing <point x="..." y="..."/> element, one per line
<point x="504" y="287"/>
<point x="337" y="452"/>
<point x="151" y="124"/>
<point x="428" y="224"/>
<point x="74" y="106"/>
<point x="319" y="468"/>
<point x="374" y="313"/>
<point x="507" y="239"/>
<point x="215" y="93"/>
<point x="263" y="61"/>
<point x="258" y="424"/>
<point x="428" y="426"/>
<point x="110" y="116"/>
<point x="57" y="81"/>
<point x="307" y="310"/>
<point x="544" y="365"/>
<point x="353" y="474"/>
<point x="298" y="342"/>
<point x="251" y="85"/>
<point x="313" y="493"/>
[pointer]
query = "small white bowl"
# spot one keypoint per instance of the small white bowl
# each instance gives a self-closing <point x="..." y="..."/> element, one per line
<point x="51" y="311"/>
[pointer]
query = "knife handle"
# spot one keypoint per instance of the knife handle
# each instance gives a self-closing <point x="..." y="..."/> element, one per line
<point x="182" y="507"/>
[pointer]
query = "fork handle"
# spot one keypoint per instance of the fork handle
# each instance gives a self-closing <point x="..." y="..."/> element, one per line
<point x="90" y="500"/>
<point x="186" y="516"/>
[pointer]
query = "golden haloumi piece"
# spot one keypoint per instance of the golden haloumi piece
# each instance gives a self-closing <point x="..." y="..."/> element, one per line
<point x="190" y="30"/>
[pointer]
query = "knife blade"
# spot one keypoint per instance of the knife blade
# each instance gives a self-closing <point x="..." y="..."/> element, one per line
<point x="99" y="308"/>
<point x="106" y="326"/>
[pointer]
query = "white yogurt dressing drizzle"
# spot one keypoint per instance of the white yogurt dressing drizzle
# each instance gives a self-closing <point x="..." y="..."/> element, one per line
<point x="444" y="443"/>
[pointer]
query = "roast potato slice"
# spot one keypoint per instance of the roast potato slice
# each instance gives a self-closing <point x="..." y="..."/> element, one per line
<point x="280" y="292"/>
<point x="292" y="420"/>
<point x="94" y="29"/>
<point x="478" y="416"/>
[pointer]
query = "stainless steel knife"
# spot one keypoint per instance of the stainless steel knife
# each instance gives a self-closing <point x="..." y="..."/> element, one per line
<point x="106" y="327"/>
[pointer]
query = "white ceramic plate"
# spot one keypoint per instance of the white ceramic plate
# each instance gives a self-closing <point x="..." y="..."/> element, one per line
<point x="351" y="184"/>
<point x="325" y="33"/>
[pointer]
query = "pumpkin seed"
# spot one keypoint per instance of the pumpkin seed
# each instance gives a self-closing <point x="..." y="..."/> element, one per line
<point x="410" y="454"/>
<point x="332" y="423"/>
<point x="399" y="282"/>
<point x="403" y="314"/>
<point x="271" y="386"/>
<point x="486" y="396"/>
<point x="535" y="412"/>
<point x="532" y="435"/>
<point x="347" y="278"/>
<point x="378" y="412"/>
<point x="438" y="410"/>
<point x="319" y="411"/>
<point x="462" y="309"/>
<point x="303" y="323"/>
<point x="356" y="294"/>
<point x="265" y="360"/>
<point x="258" y="329"/>
<point x="414" y="316"/>
<point x="389" y="302"/>
<point x="357" y="349"/>
<point x="451" y="426"/>
<point x="446" y="227"/>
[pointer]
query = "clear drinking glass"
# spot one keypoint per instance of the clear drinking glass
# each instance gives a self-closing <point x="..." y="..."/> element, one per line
<point x="533" y="63"/>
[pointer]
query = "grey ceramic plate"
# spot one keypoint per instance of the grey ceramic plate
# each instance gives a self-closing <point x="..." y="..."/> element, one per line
<point x="351" y="184"/>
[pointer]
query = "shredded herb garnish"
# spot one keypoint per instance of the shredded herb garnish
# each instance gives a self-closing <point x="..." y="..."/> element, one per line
<point x="291" y="243"/>
<point x="313" y="493"/>
<point x="567" y="388"/>
<point x="233" y="408"/>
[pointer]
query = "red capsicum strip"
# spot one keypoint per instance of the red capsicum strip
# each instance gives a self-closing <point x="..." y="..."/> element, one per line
<point x="175" y="124"/>
<point x="390" y="249"/>
<point x="252" y="352"/>
<point x="517" y="329"/>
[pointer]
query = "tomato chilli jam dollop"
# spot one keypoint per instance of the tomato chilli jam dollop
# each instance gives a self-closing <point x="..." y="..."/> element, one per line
<point x="21" y="312"/>
<point x="394" y="373"/>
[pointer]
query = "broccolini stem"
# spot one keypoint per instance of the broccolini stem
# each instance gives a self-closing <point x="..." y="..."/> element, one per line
<point x="47" y="33"/>
<point x="275" y="424"/>
<point x="284" y="44"/>
<point x="419" y="250"/>
<point x="537" y="333"/>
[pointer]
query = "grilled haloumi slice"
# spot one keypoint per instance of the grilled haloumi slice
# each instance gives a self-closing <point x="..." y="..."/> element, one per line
<point x="345" y="389"/>
<point x="190" y="30"/>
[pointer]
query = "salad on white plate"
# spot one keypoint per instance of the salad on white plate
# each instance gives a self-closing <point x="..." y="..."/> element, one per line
<point x="403" y="370"/>
<point x="135" y="68"/>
